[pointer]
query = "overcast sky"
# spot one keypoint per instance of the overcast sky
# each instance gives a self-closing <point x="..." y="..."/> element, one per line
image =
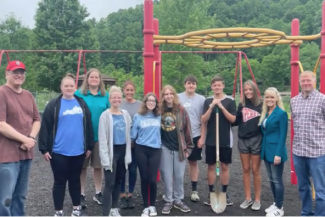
<point x="25" y="9"/>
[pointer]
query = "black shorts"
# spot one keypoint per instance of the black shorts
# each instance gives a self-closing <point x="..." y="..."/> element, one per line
<point x="196" y="152"/>
<point x="225" y="155"/>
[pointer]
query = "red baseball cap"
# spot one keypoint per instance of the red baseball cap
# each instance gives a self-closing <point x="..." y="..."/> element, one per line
<point x="15" y="64"/>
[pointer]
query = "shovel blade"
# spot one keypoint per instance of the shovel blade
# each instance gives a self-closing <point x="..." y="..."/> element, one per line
<point x="218" y="201"/>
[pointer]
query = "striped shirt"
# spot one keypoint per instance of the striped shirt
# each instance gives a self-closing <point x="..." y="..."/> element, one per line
<point x="308" y="115"/>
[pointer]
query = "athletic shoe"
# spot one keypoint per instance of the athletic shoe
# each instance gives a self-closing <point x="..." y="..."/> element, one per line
<point x="271" y="208"/>
<point x="256" y="205"/>
<point x="145" y="212"/>
<point x="114" y="212"/>
<point x="246" y="204"/>
<point x="58" y="213"/>
<point x="130" y="202"/>
<point x="124" y="203"/>
<point x="98" y="198"/>
<point x="229" y="201"/>
<point x="182" y="207"/>
<point x="195" y="196"/>
<point x="76" y="212"/>
<point x="207" y="202"/>
<point x="153" y="211"/>
<point x="167" y="207"/>
<point x="83" y="202"/>
<point x="276" y="213"/>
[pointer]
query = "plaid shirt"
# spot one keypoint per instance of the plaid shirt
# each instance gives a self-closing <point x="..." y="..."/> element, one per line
<point x="308" y="115"/>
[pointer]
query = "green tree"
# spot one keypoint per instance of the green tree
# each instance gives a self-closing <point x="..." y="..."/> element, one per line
<point x="61" y="25"/>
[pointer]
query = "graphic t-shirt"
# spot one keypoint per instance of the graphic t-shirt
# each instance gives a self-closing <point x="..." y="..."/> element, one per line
<point x="225" y="131"/>
<point x="97" y="104"/>
<point x="118" y="130"/>
<point x="168" y="130"/>
<point x="69" y="139"/>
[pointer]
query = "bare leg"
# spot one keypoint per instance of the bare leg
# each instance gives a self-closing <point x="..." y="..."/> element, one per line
<point x="256" y="164"/>
<point x="245" y="160"/>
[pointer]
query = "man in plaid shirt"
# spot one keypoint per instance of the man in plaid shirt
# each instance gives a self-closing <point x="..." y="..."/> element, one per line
<point x="308" y="115"/>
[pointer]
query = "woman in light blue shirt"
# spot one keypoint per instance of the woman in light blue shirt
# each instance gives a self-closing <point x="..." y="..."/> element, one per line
<point x="146" y="133"/>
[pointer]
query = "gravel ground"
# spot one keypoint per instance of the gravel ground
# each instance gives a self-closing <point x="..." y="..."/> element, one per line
<point x="39" y="200"/>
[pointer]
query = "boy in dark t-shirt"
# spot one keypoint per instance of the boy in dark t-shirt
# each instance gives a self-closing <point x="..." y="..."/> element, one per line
<point x="227" y="116"/>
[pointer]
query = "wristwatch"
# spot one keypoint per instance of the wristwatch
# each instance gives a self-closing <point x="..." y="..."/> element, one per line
<point x="211" y="105"/>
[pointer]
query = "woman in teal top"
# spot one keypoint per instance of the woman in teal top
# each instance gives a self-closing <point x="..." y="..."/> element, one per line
<point x="93" y="92"/>
<point x="274" y="125"/>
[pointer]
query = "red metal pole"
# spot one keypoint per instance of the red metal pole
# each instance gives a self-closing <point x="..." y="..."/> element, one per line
<point x="7" y="54"/>
<point x="235" y="83"/>
<point x="251" y="72"/>
<point x="157" y="71"/>
<point x="84" y="61"/>
<point x="148" y="53"/>
<point x="78" y="67"/>
<point x="157" y="58"/>
<point x="294" y="85"/>
<point x="322" y="55"/>
<point x="240" y="76"/>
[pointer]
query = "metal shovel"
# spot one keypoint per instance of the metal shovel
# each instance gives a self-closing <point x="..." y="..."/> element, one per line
<point x="218" y="199"/>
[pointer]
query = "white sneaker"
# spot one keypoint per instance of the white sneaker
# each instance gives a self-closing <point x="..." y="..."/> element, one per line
<point x="195" y="196"/>
<point x="271" y="208"/>
<point x="114" y="212"/>
<point x="145" y="212"/>
<point x="276" y="213"/>
<point x="153" y="211"/>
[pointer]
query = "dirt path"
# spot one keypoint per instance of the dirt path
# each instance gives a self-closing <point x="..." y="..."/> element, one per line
<point x="39" y="201"/>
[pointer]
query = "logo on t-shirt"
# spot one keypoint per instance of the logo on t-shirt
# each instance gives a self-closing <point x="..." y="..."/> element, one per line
<point x="119" y="124"/>
<point x="168" y="121"/>
<point x="249" y="114"/>
<point x="187" y="104"/>
<point x="74" y="111"/>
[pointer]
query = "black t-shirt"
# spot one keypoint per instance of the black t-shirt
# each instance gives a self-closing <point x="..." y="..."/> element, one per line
<point x="168" y="130"/>
<point x="225" y="131"/>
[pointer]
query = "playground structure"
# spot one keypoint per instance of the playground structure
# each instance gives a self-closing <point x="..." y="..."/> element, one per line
<point x="207" y="39"/>
<point x="261" y="37"/>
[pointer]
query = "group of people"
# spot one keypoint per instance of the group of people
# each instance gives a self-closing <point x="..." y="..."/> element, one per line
<point x="115" y="135"/>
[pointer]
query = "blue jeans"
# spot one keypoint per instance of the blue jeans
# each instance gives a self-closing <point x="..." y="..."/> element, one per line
<point x="132" y="169"/>
<point x="13" y="188"/>
<point x="275" y="175"/>
<point x="314" y="167"/>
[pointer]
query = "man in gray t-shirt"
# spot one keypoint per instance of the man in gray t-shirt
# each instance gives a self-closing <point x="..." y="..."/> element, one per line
<point x="193" y="103"/>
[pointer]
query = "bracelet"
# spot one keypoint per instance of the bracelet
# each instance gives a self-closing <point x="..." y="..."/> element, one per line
<point x="31" y="137"/>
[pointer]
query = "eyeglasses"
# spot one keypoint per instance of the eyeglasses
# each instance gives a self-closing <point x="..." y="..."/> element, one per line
<point x="152" y="101"/>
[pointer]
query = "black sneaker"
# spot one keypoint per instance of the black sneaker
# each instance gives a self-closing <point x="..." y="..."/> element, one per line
<point x="229" y="201"/>
<point x="98" y="198"/>
<point x="124" y="203"/>
<point x="83" y="202"/>
<point x="130" y="202"/>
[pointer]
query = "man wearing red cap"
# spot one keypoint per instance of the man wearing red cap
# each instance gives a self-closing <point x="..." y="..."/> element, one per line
<point x="19" y="125"/>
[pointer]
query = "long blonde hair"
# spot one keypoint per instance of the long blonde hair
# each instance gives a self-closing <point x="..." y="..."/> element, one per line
<point x="85" y="86"/>
<point x="163" y="103"/>
<point x="256" y="100"/>
<point x="274" y="92"/>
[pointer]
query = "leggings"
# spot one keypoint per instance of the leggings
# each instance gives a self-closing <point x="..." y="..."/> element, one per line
<point x="132" y="169"/>
<point x="66" y="168"/>
<point x="148" y="160"/>
<point x="113" y="180"/>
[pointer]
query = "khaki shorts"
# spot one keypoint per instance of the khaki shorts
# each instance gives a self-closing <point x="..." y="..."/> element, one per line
<point x="93" y="159"/>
